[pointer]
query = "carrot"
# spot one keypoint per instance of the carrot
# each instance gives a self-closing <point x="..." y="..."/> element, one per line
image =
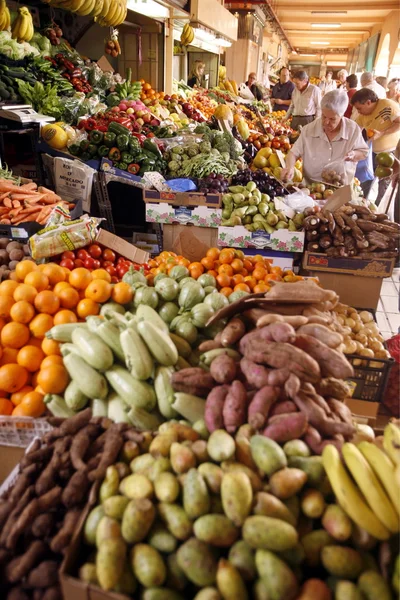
<point x="2" y="196"/>
<point x="31" y="209"/>
<point x="4" y="210"/>
<point x="44" y="190"/>
<point x="24" y="218"/>
<point x="34" y="199"/>
<point x="28" y="187"/>
<point x="50" y="198"/>
<point x="14" y="213"/>
<point x="6" y="186"/>
<point x="16" y="203"/>
<point x="5" y="222"/>
<point x="7" y="202"/>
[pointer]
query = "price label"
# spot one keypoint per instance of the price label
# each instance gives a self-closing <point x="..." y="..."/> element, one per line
<point x="281" y="157"/>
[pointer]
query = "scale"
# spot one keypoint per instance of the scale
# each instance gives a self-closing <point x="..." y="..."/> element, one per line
<point x="23" y="114"/>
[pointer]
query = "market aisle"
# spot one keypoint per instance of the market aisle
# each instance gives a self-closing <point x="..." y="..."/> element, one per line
<point x="388" y="315"/>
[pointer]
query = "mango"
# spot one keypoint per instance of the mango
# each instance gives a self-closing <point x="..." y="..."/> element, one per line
<point x="110" y="562"/>
<point x="260" y="591"/>
<point x="274" y="161"/>
<point x="198" y="562"/>
<point x="337" y="523"/>
<point x="374" y="586"/>
<point x="208" y="593"/>
<point x="160" y="465"/>
<point x="236" y="467"/>
<point x="269" y="506"/>
<point x="312" y="466"/>
<point x="293" y="505"/>
<point x="312" y="503"/>
<point x="213" y="475"/>
<point x="141" y="463"/>
<point x="136" y="486"/>
<point x="242" y="556"/>
<point x="220" y="445"/>
<point x="295" y="556"/>
<point x="123" y="469"/>
<point x="287" y="482"/>
<point x="199" y="449"/>
<point x="107" y="528"/>
<point x="91" y="524"/>
<point x="176" y="578"/>
<point x="267" y="454"/>
<point x="347" y="590"/>
<point x="157" y="593"/>
<point x="182" y="458"/>
<point x="277" y="172"/>
<point x="127" y="583"/>
<point x="342" y="562"/>
<point x="361" y="538"/>
<point x="296" y="448"/>
<point x="278" y="579"/>
<point x="200" y="428"/>
<point x="229" y="582"/>
<point x="216" y="505"/>
<point x="314" y="589"/>
<point x="114" y="506"/>
<point x="396" y="575"/>
<point x="148" y="565"/>
<point x="176" y="520"/>
<point x="269" y="534"/>
<point x="166" y="487"/>
<point x="110" y="484"/>
<point x="88" y="573"/>
<point x="161" y="539"/>
<point x="216" y="530"/>
<point x="313" y="543"/>
<point x="243" y="449"/>
<point x="130" y="451"/>
<point x="137" y="520"/>
<point x="196" y="499"/>
<point x="161" y="444"/>
<point x="237" y="497"/>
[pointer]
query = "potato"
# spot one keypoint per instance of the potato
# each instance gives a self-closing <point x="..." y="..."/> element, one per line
<point x="4" y="257"/>
<point x="362" y="338"/>
<point x="4" y="242"/>
<point x="350" y="322"/>
<point x="375" y="345"/>
<point x="16" y="254"/>
<point x="13" y="246"/>
<point x="12" y="264"/>
<point x="25" y="248"/>
<point x="367" y="352"/>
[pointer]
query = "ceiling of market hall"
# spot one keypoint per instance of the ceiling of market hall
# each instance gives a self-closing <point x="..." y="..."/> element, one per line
<point x="335" y="26"/>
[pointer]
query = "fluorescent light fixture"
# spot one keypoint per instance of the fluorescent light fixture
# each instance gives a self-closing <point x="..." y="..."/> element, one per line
<point x="307" y="55"/>
<point x="336" y="63"/>
<point x="222" y="42"/>
<point x="329" y="12"/>
<point x="319" y="43"/>
<point x="204" y="35"/>
<point x="149" y="8"/>
<point x="326" y="25"/>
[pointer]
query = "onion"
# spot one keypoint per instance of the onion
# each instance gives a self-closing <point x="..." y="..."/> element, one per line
<point x="366" y="316"/>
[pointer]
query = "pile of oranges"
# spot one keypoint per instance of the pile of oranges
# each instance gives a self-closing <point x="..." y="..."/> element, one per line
<point x="148" y="93"/>
<point x="232" y="269"/>
<point x="37" y="298"/>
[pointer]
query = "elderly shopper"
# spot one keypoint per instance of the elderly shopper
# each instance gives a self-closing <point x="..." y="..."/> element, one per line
<point x="250" y="90"/>
<point x="351" y="86"/>
<point x="327" y="84"/>
<point x="330" y="138"/>
<point x="342" y="75"/>
<point x="367" y="81"/>
<point x="306" y="101"/>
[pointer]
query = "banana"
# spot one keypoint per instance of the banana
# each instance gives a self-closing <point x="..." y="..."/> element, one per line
<point x="349" y="496"/>
<point x="5" y="19"/>
<point x="30" y="31"/>
<point x="370" y="486"/>
<point x="86" y="8"/>
<point x="391" y="442"/>
<point x="383" y="468"/>
<point x="98" y="7"/>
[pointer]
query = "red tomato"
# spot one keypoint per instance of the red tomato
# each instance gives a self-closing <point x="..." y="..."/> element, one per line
<point x="107" y="263"/>
<point x="95" y="251"/>
<point x="111" y="270"/>
<point x="109" y="255"/>
<point x="82" y="254"/>
<point x="78" y="263"/>
<point x="68" y="255"/>
<point x="96" y="264"/>
<point x="68" y="263"/>
<point x="114" y="279"/>
<point x="88" y="263"/>
<point x="121" y="270"/>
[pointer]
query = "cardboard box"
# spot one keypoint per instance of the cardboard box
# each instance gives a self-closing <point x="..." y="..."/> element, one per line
<point x="372" y="267"/>
<point x="282" y="240"/>
<point x="191" y="242"/>
<point x="122" y="247"/>
<point x="183" y="198"/>
<point x="10" y="457"/>
<point x="149" y="242"/>
<point x="284" y="260"/>
<point x="200" y="216"/>
<point x="363" y="409"/>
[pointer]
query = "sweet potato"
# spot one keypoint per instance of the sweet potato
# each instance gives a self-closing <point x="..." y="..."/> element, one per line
<point x="318" y="418"/>
<point x="64" y="535"/>
<point x="283" y="407"/>
<point x="267" y="319"/>
<point x="43" y="525"/>
<point x="331" y="362"/>
<point x="275" y="332"/>
<point x="19" y="567"/>
<point x="341" y="410"/>
<point x="112" y="446"/>
<point x="261" y="405"/>
<point x="209" y="345"/>
<point x="286" y="427"/>
<point x="278" y="377"/>
<point x="232" y="333"/>
<point x="53" y="593"/>
<point x="316" y="443"/>
<point x="286" y="356"/>
<point x="213" y="413"/>
<point x="43" y="576"/>
<point x="76" y="489"/>
<point x="70" y="426"/>
<point x="322" y="333"/>
<point x="292" y="385"/>
<point x="332" y="387"/>
<point x="223" y="369"/>
<point x="193" y="380"/>
<point x="81" y="443"/>
<point x="293" y="320"/>
<point x="256" y="375"/>
<point x="301" y="291"/>
<point x="235" y="407"/>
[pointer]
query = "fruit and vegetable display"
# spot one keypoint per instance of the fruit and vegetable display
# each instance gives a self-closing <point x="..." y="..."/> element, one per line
<point x="352" y="230"/>
<point x="11" y="253"/>
<point x="265" y="183"/>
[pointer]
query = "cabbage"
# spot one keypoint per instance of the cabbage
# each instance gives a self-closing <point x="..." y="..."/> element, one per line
<point x="13" y="49"/>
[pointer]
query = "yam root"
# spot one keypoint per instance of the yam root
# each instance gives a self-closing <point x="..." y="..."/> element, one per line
<point x="37" y="456"/>
<point x="20" y="566"/>
<point x="193" y="380"/>
<point x="260" y="406"/>
<point x="43" y="576"/>
<point x="223" y="369"/>
<point x="213" y="413"/>
<point x="21" y="485"/>
<point x="331" y="362"/>
<point x="112" y="446"/>
<point x="43" y="525"/>
<point x="287" y="356"/>
<point x="64" y="535"/>
<point x="286" y="427"/>
<point x="46" y="479"/>
<point x="233" y="332"/>
<point x="70" y="426"/>
<point x="292" y="385"/>
<point x="17" y="593"/>
<point x="80" y="445"/>
<point x="12" y="519"/>
<point x="235" y="407"/>
<point x="332" y="387"/>
<point x="76" y="490"/>
<point x="53" y="593"/>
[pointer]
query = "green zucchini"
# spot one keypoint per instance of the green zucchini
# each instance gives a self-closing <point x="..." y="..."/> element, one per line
<point x="132" y="391"/>
<point x="92" y="348"/>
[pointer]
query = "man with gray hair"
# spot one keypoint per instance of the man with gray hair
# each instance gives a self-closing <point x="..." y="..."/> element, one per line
<point x="367" y="81"/>
<point x="306" y="101"/>
<point x="329" y="139"/>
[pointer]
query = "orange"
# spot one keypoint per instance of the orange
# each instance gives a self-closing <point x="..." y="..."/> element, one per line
<point x="32" y="404"/>
<point x="236" y="279"/>
<point x="53" y="379"/>
<point x="226" y="291"/>
<point x="61" y="285"/>
<point x="278" y="271"/>
<point x="38" y="279"/>
<point x="98" y="290"/>
<point x="237" y="265"/>
<point x="213" y="253"/>
<point x="6" y="303"/>
<point x="226" y="256"/>
<point x="40" y="325"/>
<point x="248" y="265"/>
<point x="65" y="316"/>
<point x="122" y="293"/>
<point x="52" y="359"/>
<point x="8" y="287"/>
<point x="47" y="302"/>
<point x="14" y="335"/>
<point x="30" y="357"/>
<point x="22" y="312"/>
<point x="80" y="278"/>
<point x="250" y="281"/>
<point x="272" y="277"/>
<point x="87" y="307"/>
<point x="55" y="273"/>
<point x="16" y="397"/>
<point x="24" y="267"/>
<point x="195" y="266"/>
<point x="258" y="258"/>
<point x="240" y="254"/>
<point x="9" y="356"/>
<point x="208" y="263"/>
<point x="25" y="292"/>
<point x="34" y="379"/>
<point x="224" y="280"/>
<point x="185" y="262"/>
<point x="69" y="297"/>
<point x="50" y="347"/>
<point x="101" y="274"/>
<point x="12" y="378"/>
<point x="242" y="287"/>
<point x="226" y="269"/>
<point x="259" y="273"/>
<point x="213" y="273"/>
<point x="13" y="276"/>
<point x="37" y="342"/>
<point x="261" y="287"/>
<point x="6" y="407"/>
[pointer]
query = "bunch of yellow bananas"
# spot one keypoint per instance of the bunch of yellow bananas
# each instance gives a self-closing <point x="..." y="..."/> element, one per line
<point x="370" y="496"/>
<point x="22" y="29"/>
<point x="187" y="35"/>
<point x="4" y="16"/>
<point x="113" y="13"/>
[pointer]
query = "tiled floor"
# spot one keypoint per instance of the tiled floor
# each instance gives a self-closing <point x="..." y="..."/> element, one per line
<point x="388" y="314"/>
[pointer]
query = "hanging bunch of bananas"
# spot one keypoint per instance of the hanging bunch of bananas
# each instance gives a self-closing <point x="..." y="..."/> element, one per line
<point x="187" y="35"/>
<point x="107" y="13"/>
<point x="113" y="13"/>
<point x="367" y="485"/>
<point x="4" y="16"/>
<point x="22" y="29"/>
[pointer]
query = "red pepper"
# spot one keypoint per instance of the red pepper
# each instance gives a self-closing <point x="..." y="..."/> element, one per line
<point x="91" y="124"/>
<point x="139" y="136"/>
<point x="133" y="168"/>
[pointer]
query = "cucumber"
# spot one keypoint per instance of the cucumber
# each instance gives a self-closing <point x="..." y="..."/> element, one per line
<point x="116" y="409"/>
<point x="146" y="313"/>
<point x="165" y="392"/>
<point x="143" y="420"/>
<point x="90" y="382"/>
<point x="92" y="348"/>
<point x="138" y="359"/>
<point x="109" y="333"/>
<point x="63" y="333"/>
<point x="99" y="407"/>
<point x="159" y="343"/>
<point x="132" y="391"/>
<point x="189" y="406"/>
<point x="74" y="398"/>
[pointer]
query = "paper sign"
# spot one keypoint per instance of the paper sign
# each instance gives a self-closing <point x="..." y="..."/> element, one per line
<point x="283" y="207"/>
<point x="341" y="196"/>
<point x="105" y="65"/>
<point x="281" y="157"/>
<point x="73" y="181"/>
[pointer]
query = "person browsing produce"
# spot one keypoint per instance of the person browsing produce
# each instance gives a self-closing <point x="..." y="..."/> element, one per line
<point x="196" y="78"/>
<point x="306" y="101"/>
<point x="282" y="91"/>
<point x="327" y="84"/>
<point x="330" y="138"/>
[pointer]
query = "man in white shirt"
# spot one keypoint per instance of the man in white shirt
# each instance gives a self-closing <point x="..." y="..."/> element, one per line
<point x="306" y="101"/>
<point x="327" y="84"/>
<point x="368" y="81"/>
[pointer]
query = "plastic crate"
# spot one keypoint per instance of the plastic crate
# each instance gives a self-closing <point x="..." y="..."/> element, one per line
<point x="21" y="431"/>
<point x="369" y="381"/>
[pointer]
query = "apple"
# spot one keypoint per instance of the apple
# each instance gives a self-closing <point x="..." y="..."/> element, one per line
<point x="115" y="109"/>
<point x="122" y="106"/>
<point x="140" y="121"/>
<point x="146" y="117"/>
<point x="140" y="113"/>
<point x="130" y="111"/>
<point x="154" y="122"/>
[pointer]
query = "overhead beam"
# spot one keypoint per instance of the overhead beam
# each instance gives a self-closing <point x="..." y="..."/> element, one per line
<point x="362" y="7"/>
<point x="331" y="19"/>
<point x="326" y="32"/>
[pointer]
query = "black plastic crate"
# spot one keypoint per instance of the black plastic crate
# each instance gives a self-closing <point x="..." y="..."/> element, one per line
<point x="369" y="381"/>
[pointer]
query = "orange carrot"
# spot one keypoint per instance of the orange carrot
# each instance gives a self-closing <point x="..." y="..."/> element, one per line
<point x="16" y="203"/>
<point x="5" y="195"/>
<point x="28" y="187"/>
<point x="5" y="222"/>
<point x="7" y="202"/>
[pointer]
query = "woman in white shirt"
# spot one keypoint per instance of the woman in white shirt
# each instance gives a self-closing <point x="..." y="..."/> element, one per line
<point x="330" y="138"/>
<point x="327" y="84"/>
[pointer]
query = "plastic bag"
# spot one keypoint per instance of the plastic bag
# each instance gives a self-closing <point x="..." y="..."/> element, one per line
<point x="66" y="235"/>
<point x="181" y="185"/>
<point x="338" y="172"/>
<point x="299" y="201"/>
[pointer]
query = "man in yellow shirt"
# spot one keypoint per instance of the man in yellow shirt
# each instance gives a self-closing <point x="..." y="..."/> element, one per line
<point x="381" y="120"/>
